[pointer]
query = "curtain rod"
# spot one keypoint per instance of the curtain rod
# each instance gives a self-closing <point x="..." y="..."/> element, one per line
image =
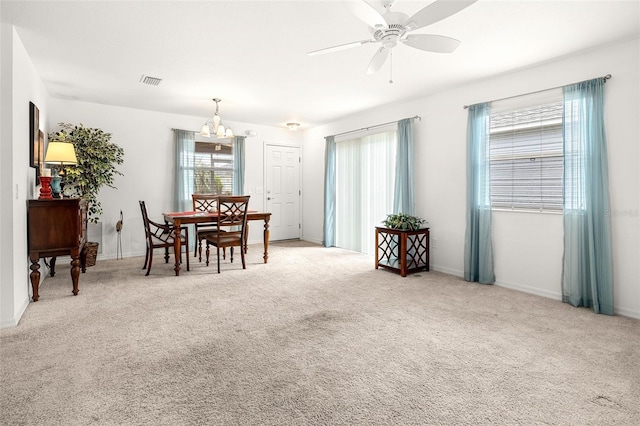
<point x="373" y="127"/>
<point x="606" y="77"/>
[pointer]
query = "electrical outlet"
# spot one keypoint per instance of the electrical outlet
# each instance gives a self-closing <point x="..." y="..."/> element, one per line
<point x="434" y="243"/>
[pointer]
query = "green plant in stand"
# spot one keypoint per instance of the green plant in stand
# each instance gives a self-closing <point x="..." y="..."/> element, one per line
<point x="403" y="221"/>
<point x="97" y="159"/>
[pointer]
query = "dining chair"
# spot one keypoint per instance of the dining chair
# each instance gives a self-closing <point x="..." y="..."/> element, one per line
<point x="161" y="235"/>
<point x="204" y="203"/>
<point x="231" y="226"/>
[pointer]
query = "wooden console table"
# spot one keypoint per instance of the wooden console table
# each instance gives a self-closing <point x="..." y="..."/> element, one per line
<point x="56" y="227"/>
<point x="402" y="251"/>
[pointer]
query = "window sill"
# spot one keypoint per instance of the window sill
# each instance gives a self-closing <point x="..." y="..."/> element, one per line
<point x="551" y="212"/>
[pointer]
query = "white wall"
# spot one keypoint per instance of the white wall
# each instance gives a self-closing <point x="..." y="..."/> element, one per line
<point x="147" y="140"/>
<point x="528" y="247"/>
<point x="21" y="84"/>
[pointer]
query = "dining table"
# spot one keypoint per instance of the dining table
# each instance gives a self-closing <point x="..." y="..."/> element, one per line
<point x="191" y="217"/>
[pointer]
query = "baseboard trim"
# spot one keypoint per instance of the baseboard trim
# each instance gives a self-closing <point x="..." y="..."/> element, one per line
<point x="530" y="290"/>
<point x="13" y="322"/>
<point x="312" y="240"/>
<point x="450" y="271"/>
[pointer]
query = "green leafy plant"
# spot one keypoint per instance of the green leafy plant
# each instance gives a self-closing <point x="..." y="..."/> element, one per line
<point x="403" y="221"/>
<point x="97" y="159"/>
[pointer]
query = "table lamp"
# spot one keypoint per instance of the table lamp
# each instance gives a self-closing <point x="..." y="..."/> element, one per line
<point x="59" y="153"/>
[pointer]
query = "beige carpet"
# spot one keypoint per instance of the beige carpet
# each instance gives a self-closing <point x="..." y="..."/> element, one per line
<point x="315" y="337"/>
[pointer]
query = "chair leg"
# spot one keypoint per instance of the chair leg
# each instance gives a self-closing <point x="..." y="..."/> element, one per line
<point x="146" y="258"/>
<point x="166" y="255"/>
<point x="150" y="261"/>
<point x="186" y="250"/>
<point x="200" y="250"/>
<point x="218" y="258"/>
<point x="207" y="253"/>
<point x="244" y="266"/>
<point x="231" y="250"/>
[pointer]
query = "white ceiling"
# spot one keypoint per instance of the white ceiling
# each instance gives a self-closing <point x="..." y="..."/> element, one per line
<point x="252" y="54"/>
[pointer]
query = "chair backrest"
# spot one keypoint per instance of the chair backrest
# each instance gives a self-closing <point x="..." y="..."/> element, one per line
<point x="145" y="219"/>
<point x="204" y="202"/>
<point x="232" y="211"/>
<point x="145" y="222"/>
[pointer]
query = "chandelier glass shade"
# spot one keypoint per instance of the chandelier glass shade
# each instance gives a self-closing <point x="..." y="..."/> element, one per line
<point x="215" y="126"/>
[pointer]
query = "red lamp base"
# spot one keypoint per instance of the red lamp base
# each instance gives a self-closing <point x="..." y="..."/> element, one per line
<point x="45" y="189"/>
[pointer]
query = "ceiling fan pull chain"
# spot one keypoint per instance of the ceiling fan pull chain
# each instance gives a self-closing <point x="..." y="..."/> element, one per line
<point x="391" y="67"/>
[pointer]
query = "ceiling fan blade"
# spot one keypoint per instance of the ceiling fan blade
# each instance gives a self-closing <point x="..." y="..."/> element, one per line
<point x="378" y="60"/>
<point x="366" y="13"/>
<point x="435" y="12"/>
<point x="432" y="43"/>
<point x="339" y="47"/>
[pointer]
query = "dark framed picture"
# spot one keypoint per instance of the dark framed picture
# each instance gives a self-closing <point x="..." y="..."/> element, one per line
<point x="40" y="167"/>
<point x="34" y="135"/>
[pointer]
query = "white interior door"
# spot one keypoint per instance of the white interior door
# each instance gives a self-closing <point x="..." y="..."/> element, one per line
<point x="283" y="191"/>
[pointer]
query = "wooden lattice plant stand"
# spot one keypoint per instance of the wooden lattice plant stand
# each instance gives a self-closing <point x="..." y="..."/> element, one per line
<point x="402" y="251"/>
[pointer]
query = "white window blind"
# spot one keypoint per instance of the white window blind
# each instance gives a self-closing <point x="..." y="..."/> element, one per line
<point x="526" y="152"/>
<point x="213" y="168"/>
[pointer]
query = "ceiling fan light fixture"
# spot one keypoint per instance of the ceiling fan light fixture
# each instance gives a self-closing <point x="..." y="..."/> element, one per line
<point x="392" y="27"/>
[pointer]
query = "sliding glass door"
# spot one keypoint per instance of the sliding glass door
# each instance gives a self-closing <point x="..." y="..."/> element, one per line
<point x="365" y="169"/>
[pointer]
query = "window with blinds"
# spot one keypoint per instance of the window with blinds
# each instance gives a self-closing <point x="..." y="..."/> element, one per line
<point x="213" y="168"/>
<point x="526" y="153"/>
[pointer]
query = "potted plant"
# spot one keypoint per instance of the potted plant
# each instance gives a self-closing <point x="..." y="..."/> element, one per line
<point x="403" y="221"/>
<point x="97" y="159"/>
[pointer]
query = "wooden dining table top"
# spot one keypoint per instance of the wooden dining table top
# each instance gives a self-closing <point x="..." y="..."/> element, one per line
<point x="187" y="217"/>
<point x="200" y="216"/>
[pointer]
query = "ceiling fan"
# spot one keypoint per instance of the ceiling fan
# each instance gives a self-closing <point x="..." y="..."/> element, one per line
<point x="392" y="27"/>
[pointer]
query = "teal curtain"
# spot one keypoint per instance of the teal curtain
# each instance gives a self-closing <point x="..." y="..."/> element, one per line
<point x="185" y="150"/>
<point x="403" y="196"/>
<point x="238" y="165"/>
<point x="478" y="251"/>
<point x="587" y="273"/>
<point x="330" y="191"/>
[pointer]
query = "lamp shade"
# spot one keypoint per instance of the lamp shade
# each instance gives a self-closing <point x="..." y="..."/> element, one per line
<point x="60" y="153"/>
<point x="205" y="130"/>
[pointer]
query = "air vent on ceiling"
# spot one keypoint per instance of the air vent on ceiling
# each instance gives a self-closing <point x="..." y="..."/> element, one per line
<point x="153" y="81"/>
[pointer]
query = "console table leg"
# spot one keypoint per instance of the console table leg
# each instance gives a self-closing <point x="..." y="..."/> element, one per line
<point x="75" y="274"/>
<point x="35" y="277"/>
<point x="52" y="266"/>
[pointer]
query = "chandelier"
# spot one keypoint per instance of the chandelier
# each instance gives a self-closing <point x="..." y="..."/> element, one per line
<point x="215" y="126"/>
